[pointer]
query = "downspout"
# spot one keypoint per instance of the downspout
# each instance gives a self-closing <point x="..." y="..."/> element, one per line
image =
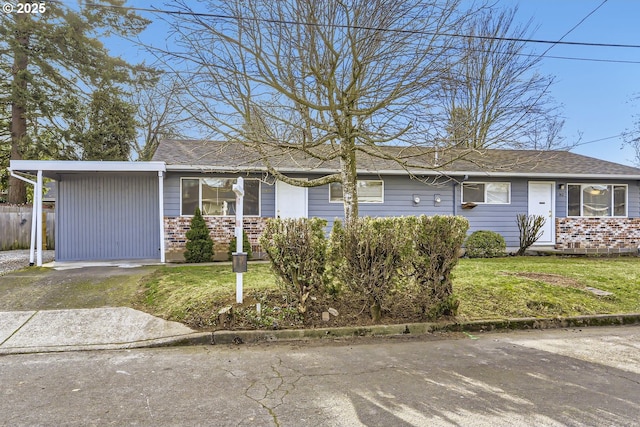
<point x="455" y="204"/>
<point x="33" y="216"/>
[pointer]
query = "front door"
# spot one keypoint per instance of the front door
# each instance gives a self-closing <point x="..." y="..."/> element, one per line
<point x="541" y="202"/>
<point x="291" y="201"/>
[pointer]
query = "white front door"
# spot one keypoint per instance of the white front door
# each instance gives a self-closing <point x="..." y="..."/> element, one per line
<point x="291" y="201"/>
<point x="542" y="202"/>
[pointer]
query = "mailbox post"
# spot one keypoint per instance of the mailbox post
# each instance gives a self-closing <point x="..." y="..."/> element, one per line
<point x="239" y="257"/>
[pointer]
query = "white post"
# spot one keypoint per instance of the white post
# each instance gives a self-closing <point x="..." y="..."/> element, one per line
<point x="238" y="188"/>
<point x="34" y="212"/>
<point x="161" y="210"/>
<point x="37" y="198"/>
<point x="34" y="215"/>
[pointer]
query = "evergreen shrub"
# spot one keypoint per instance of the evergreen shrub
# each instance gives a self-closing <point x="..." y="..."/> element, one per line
<point x="485" y="244"/>
<point x="246" y="246"/>
<point x="199" y="243"/>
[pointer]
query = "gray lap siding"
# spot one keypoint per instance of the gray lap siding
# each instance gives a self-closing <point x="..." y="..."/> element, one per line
<point x="399" y="192"/>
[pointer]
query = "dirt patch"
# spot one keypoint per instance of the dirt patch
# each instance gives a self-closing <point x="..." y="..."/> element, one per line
<point x="278" y="313"/>
<point x="551" y="279"/>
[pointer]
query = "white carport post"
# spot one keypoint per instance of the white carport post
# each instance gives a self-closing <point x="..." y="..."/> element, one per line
<point x="37" y="198"/>
<point x="34" y="212"/>
<point x="161" y="210"/>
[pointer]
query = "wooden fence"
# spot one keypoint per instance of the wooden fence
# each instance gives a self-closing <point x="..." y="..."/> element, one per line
<point x="15" y="227"/>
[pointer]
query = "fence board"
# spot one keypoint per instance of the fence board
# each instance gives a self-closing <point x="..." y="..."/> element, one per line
<point x="15" y="228"/>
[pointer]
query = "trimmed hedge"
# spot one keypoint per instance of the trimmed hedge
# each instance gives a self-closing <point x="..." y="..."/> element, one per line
<point x="367" y="255"/>
<point x="436" y="244"/>
<point x="389" y="265"/>
<point x="297" y="250"/>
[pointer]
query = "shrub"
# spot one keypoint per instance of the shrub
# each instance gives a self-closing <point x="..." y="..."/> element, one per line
<point x="530" y="227"/>
<point x="297" y="251"/>
<point x="366" y="256"/>
<point x="485" y="244"/>
<point x="436" y="244"/>
<point x="246" y="246"/>
<point x="199" y="243"/>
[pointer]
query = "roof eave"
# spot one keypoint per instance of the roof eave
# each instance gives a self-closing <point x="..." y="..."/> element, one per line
<point x="71" y="166"/>
<point x="421" y="172"/>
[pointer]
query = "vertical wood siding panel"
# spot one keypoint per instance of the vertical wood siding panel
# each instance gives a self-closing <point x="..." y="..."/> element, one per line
<point x="106" y="216"/>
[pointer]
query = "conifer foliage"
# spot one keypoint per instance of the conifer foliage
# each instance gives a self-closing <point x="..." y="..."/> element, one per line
<point x="199" y="242"/>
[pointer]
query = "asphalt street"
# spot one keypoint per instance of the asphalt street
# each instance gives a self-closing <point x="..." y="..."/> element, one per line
<point x="572" y="377"/>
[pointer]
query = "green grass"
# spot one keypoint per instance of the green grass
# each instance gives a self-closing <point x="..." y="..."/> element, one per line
<point x="487" y="288"/>
<point x="176" y="292"/>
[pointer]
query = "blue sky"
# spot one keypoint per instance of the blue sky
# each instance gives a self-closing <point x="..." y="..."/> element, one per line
<point x="597" y="97"/>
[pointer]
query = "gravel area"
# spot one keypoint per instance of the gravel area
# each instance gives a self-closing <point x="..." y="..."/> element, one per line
<point x="15" y="260"/>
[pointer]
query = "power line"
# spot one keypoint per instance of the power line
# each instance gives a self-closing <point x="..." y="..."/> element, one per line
<point x="599" y="140"/>
<point x="287" y="22"/>
<point x="573" y="28"/>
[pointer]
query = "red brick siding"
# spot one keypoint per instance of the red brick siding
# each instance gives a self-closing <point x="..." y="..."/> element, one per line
<point x="597" y="233"/>
<point x="221" y="230"/>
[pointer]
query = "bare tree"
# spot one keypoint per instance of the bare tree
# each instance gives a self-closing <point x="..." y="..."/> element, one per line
<point x="161" y="114"/>
<point x="339" y="81"/>
<point x="493" y="95"/>
<point x="331" y="80"/>
<point x="632" y="137"/>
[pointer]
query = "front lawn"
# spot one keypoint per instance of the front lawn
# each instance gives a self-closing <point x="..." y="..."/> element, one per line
<point x="546" y="287"/>
<point x="487" y="289"/>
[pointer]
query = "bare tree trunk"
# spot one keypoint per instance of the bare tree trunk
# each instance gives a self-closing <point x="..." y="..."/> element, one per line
<point x="348" y="173"/>
<point x="17" y="188"/>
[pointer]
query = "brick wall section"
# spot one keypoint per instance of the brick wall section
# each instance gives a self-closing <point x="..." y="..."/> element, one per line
<point x="597" y="234"/>
<point x="221" y="230"/>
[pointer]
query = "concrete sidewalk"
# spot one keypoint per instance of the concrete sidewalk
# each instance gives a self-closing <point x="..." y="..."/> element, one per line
<point x="87" y="329"/>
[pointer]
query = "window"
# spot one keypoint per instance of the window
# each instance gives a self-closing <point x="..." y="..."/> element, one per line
<point x="596" y="200"/>
<point x="486" y="192"/>
<point x="368" y="191"/>
<point x="215" y="196"/>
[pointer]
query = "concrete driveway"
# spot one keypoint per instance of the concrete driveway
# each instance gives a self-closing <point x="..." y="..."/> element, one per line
<point x="76" y="307"/>
<point x="36" y="288"/>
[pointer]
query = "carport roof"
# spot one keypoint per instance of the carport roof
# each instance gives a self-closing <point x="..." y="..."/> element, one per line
<point x="50" y="168"/>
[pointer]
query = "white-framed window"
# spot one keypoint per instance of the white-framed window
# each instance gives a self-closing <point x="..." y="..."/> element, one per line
<point x="493" y="193"/>
<point x="215" y="196"/>
<point x="597" y="200"/>
<point x="369" y="191"/>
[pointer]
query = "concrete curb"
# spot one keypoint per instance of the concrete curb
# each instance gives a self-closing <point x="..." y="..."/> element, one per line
<point x="415" y="329"/>
<point x="197" y="338"/>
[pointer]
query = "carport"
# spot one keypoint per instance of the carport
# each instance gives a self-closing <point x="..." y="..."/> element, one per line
<point x="106" y="210"/>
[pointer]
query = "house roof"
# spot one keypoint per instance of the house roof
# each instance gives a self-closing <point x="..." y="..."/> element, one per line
<point x="198" y="155"/>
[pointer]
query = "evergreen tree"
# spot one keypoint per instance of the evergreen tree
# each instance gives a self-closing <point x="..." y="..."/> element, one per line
<point x="199" y="242"/>
<point x="50" y="63"/>
<point x="111" y="124"/>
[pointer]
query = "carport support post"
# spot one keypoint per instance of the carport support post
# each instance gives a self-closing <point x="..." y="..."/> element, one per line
<point x="34" y="212"/>
<point x="37" y="198"/>
<point x="238" y="188"/>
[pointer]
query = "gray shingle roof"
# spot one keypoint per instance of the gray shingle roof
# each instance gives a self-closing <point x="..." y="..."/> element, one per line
<point x="229" y="157"/>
